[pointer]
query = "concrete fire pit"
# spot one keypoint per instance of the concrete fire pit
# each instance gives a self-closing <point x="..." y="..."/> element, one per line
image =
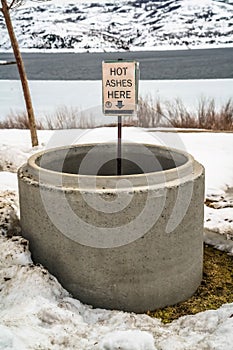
<point x="131" y="242"/>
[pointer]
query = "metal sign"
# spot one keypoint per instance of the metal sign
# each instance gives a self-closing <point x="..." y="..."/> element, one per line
<point x="120" y="87"/>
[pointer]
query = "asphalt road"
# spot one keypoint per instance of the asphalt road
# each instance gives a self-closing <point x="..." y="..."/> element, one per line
<point x="156" y="65"/>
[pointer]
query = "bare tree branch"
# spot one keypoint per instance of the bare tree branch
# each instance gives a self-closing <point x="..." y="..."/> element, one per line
<point x="15" y="4"/>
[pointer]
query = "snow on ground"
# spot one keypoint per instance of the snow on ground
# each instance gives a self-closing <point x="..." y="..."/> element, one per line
<point x="37" y="313"/>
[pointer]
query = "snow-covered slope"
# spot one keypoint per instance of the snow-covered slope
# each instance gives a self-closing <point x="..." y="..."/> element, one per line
<point x="121" y="24"/>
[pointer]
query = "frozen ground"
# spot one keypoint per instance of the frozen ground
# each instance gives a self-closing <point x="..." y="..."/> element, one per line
<point x="37" y="313"/>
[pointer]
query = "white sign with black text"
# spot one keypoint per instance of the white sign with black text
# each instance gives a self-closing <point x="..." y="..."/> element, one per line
<point x="120" y="87"/>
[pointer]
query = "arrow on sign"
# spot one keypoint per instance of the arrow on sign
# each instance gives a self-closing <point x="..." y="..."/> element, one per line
<point x="119" y="104"/>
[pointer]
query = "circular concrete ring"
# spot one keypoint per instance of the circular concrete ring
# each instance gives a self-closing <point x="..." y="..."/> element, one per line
<point x="132" y="242"/>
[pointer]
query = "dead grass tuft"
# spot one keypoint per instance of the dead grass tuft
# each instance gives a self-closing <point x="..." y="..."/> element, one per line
<point x="175" y="114"/>
<point x="69" y="118"/>
<point x="18" y="120"/>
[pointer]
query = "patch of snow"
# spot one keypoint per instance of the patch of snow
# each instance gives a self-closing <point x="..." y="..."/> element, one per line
<point x="8" y="181"/>
<point x="14" y="251"/>
<point x="219" y="221"/>
<point x="127" y="340"/>
<point x="9" y="213"/>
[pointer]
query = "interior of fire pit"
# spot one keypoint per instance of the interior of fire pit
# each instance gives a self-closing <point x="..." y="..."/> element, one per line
<point x="101" y="159"/>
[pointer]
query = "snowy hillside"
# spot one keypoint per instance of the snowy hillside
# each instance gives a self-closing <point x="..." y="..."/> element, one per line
<point x="121" y="25"/>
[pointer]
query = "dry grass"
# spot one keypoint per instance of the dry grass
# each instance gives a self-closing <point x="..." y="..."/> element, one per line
<point x="69" y="118"/>
<point x="151" y="114"/>
<point x="175" y="114"/>
<point x="63" y="118"/>
<point x="18" y="121"/>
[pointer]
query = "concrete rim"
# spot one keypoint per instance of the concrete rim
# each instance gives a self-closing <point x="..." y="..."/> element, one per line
<point x="47" y="177"/>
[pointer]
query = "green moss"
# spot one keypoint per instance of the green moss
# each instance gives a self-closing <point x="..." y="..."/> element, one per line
<point x="215" y="290"/>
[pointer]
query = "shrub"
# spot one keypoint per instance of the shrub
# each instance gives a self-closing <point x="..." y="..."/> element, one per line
<point x="175" y="114"/>
<point x="18" y="121"/>
<point x="63" y="118"/>
<point x="69" y="118"/>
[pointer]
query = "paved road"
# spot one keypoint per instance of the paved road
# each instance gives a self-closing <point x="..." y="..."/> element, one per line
<point x="183" y="64"/>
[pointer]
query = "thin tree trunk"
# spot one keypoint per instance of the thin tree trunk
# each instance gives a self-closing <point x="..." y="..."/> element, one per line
<point x="22" y="73"/>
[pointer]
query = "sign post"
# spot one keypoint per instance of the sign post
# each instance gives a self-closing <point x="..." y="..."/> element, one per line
<point x="120" y="94"/>
<point x="119" y="129"/>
